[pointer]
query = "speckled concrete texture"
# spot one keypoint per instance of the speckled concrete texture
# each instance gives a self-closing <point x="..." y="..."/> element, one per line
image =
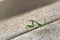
<point x="48" y="32"/>
<point x="14" y="26"/>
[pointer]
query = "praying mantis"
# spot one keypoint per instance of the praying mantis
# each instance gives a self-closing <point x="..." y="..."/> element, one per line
<point x="32" y="23"/>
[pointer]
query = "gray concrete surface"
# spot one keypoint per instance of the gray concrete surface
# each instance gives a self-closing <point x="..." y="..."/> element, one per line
<point x="14" y="26"/>
<point x="48" y="32"/>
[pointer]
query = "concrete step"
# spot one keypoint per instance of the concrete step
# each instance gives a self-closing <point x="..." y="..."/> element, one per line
<point x="9" y="8"/>
<point x="48" y="32"/>
<point x="12" y="27"/>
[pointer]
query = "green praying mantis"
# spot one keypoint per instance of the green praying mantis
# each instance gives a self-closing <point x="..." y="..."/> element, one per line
<point x="32" y="23"/>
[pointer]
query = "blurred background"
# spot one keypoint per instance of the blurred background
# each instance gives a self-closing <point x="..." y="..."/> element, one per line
<point x="9" y="8"/>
